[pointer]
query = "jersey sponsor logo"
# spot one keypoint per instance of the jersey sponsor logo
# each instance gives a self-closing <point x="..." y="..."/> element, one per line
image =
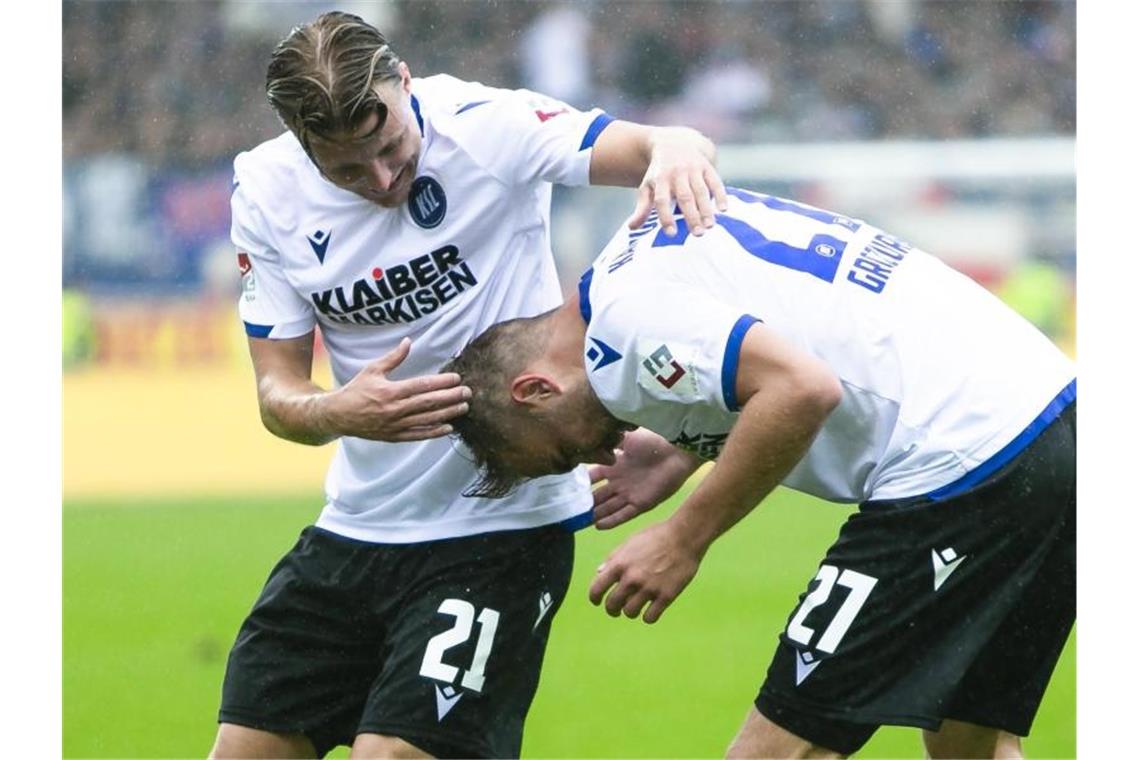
<point x="601" y="354"/>
<point x="874" y="265"/>
<point x="705" y="445"/>
<point x="427" y="203"/>
<point x="245" y="266"/>
<point x="400" y="294"/>
<point x="319" y="240"/>
<point x="945" y="562"/>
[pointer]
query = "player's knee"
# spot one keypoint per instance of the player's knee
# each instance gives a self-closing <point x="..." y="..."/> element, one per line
<point x="967" y="740"/>
<point x="381" y="746"/>
<point x="234" y="741"/>
<point x="760" y="737"/>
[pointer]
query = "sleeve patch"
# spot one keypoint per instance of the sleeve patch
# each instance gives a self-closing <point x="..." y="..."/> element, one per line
<point x="665" y="371"/>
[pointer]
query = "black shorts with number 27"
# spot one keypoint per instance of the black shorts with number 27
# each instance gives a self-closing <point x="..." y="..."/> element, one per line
<point x="928" y="610"/>
<point x="437" y="643"/>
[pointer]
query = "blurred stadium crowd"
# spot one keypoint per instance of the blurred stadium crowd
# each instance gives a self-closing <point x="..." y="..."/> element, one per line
<point x="159" y="96"/>
<point x="180" y="83"/>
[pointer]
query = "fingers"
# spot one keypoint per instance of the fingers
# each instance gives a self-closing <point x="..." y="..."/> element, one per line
<point x="598" y="473"/>
<point x="663" y="202"/>
<point x="435" y="417"/>
<point x="607" y="576"/>
<point x="393" y="358"/>
<point x="407" y="406"/>
<point x="657" y="609"/>
<point x="641" y="210"/>
<point x="714" y="182"/>
<point x="616" y="517"/>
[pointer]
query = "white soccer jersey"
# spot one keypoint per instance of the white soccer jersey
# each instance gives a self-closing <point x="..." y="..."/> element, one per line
<point x="470" y="248"/>
<point x="942" y="383"/>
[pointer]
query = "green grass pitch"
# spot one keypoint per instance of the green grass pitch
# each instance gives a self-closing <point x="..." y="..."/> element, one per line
<point x="154" y="592"/>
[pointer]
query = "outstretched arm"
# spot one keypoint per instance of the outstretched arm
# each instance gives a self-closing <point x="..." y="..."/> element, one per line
<point x="370" y="405"/>
<point x="786" y="396"/>
<point x="670" y="166"/>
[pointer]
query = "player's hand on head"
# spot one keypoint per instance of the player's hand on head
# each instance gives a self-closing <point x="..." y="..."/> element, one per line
<point x="681" y="175"/>
<point x="648" y="471"/>
<point x="373" y="406"/>
<point x="646" y="573"/>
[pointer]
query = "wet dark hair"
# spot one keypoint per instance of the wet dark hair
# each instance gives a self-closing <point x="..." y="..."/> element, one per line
<point x="487" y="365"/>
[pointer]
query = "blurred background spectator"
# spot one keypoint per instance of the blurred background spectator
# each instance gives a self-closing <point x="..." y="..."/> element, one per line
<point x="158" y="97"/>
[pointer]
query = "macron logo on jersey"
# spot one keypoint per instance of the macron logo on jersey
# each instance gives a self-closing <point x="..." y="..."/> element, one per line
<point x="601" y="354"/>
<point x="402" y="293"/>
<point x="319" y="240"/>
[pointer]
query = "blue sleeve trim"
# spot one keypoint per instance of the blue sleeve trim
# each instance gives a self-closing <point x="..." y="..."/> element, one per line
<point x="469" y="106"/>
<point x="419" y="118"/>
<point x="732" y="360"/>
<point x="584" y="294"/>
<point x="975" y="476"/>
<point x="577" y="522"/>
<point x="257" y="331"/>
<point x="600" y="122"/>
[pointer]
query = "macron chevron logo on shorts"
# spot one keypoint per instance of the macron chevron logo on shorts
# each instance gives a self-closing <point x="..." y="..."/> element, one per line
<point x="945" y="563"/>
<point x="545" y="602"/>
<point x="805" y="664"/>
<point x="445" y="699"/>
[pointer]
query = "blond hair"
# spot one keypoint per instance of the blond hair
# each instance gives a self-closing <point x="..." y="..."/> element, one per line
<point x="322" y="77"/>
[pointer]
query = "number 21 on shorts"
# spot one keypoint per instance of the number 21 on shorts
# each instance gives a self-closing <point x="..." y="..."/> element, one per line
<point x="464" y="613"/>
<point x="829" y="577"/>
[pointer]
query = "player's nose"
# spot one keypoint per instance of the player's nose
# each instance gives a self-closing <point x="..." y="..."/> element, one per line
<point x="379" y="175"/>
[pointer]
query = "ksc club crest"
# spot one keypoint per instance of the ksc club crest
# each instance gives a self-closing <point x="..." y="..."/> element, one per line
<point x="427" y="202"/>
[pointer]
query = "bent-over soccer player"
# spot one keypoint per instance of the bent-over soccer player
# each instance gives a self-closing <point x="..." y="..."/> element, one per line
<point x="801" y="347"/>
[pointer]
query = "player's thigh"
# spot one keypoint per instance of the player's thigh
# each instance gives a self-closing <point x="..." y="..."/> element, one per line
<point x="233" y="741"/>
<point x="464" y="653"/>
<point x="308" y="652"/>
<point x="912" y="594"/>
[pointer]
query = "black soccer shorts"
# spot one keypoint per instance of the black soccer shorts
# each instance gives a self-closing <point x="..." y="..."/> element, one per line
<point x="923" y="611"/>
<point x="437" y="643"/>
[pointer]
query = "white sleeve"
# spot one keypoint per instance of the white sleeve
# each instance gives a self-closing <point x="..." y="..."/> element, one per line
<point x="270" y="307"/>
<point x="683" y="342"/>
<point x="521" y="136"/>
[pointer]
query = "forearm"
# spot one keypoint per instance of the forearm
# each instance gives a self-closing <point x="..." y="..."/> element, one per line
<point x="624" y="151"/>
<point x="298" y="410"/>
<point x="768" y="440"/>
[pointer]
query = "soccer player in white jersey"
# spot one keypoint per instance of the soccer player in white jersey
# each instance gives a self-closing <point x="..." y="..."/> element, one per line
<point x="404" y="216"/>
<point x="797" y="346"/>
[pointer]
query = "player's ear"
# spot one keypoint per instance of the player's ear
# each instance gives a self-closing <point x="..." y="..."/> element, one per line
<point x="405" y="76"/>
<point x="534" y="389"/>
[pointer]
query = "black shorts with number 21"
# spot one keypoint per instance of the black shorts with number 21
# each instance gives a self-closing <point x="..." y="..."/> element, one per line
<point x="437" y="643"/>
